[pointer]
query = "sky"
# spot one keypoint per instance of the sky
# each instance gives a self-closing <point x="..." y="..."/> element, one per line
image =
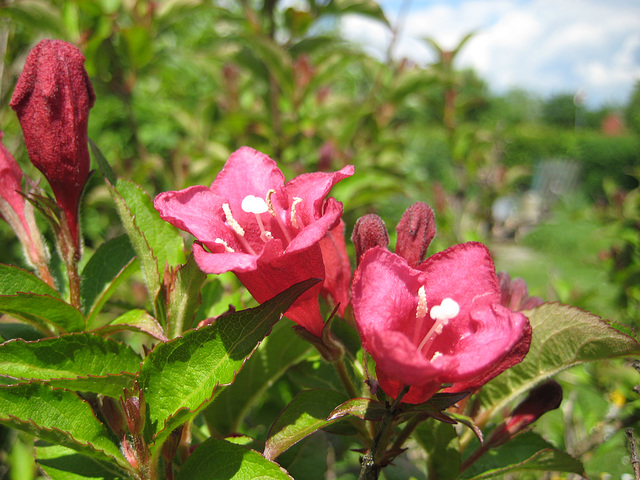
<point x="547" y="47"/>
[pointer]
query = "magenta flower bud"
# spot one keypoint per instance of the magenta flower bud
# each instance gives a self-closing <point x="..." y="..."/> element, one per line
<point x="514" y="294"/>
<point x="368" y="232"/>
<point x="416" y="229"/>
<point x="52" y="100"/>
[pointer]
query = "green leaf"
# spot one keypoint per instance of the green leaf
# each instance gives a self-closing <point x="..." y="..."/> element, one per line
<point x="165" y="241"/>
<point x="14" y="280"/>
<point x="104" y="271"/>
<point x="58" y="416"/>
<point x="363" y="408"/>
<point x="440" y="442"/>
<point x="135" y="321"/>
<point x="180" y="377"/>
<point x="306" y="413"/>
<point x="81" y="362"/>
<point x="61" y="463"/>
<point x="279" y="351"/>
<point x="368" y="8"/>
<point x="155" y="241"/>
<point x="527" y="451"/>
<point x="184" y="297"/>
<point x="43" y="311"/>
<point x="563" y="336"/>
<point x="220" y="460"/>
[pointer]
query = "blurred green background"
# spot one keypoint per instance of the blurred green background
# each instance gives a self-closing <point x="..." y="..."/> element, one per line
<point x="181" y="84"/>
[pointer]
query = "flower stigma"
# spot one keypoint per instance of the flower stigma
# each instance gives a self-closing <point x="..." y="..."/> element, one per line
<point x="257" y="206"/>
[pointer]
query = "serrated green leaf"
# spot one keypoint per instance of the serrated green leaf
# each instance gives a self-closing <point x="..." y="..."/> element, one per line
<point x="135" y="321"/>
<point x="104" y="271"/>
<point x="179" y="377"/>
<point x="155" y="241"/>
<point x="306" y="413"/>
<point x="165" y="241"/>
<point x="527" y="451"/>
<point x="43" y="311"/>
<point x="281" y="349"/>
<point x="81" y="362"/>
<point x="220" y="460"/>
<point x="58" y="416"/>
<point x="61" y="463"/>
<point x="563" y="336"/>
<point x="363" y="408"/>
<point x="440" y="441"/>
<point x="184" y="297"/>
<point x="14" y="280"/>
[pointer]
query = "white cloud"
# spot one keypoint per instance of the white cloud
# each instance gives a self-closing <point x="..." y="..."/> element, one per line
<point x="545" y="46"/>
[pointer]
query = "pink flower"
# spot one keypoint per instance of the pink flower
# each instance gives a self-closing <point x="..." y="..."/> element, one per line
<point x="268" y="232"/>
<point x="52" y="100"/>
<point x="337" y="267"/>
<point x="436" y="324"/>
<point x="11" y="184"/>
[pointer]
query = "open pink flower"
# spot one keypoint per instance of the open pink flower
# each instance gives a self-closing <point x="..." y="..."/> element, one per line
<point x="438" y="323"/>
<point x="268" y="232"/>
<point x="52" y="100"/>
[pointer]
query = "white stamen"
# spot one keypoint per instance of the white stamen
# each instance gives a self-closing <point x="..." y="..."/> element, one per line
<point x="296" y="201"/>
<point x="227" y="248"/>
<point x="235" y="226"/>
<point x="269" y="203"/>
<point x="252" y="204"/>
<point x="447" y="310"/>
<point x="421" y="311"/>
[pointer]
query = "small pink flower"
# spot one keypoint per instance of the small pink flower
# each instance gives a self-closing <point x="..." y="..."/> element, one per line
<point x="268" y="232"/>
<point x="52" y="100"/>
<point x="436" y="324"/>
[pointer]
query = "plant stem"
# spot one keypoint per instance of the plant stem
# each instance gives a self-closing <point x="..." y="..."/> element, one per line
<point x="345" y="378"/>
<point x="371" y="462"/>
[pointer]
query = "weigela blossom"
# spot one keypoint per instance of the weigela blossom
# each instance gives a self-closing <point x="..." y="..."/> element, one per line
<point x="268" y="232"/>
<point x="52" y="99"/>
<point x="438" y="324"/>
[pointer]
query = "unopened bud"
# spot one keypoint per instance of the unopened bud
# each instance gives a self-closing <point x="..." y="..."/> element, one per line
<point x="542" y="399"/>
<point x="416" y="229"/>
<point x="368" y="232"/>
<point x="134" y="409"/>
<point x="113" y="415"/>
<point x="52" y="99"/>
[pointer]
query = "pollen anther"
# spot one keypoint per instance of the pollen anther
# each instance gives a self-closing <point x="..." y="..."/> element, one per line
<point x="272" y="212"/>
<point x="227" y="248"/>
<point x="235" y="226"/>
<point x="421" y="311"/>
<point x="296" y="201"/>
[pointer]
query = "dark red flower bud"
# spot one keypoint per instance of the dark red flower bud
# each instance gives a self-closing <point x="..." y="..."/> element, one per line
<point x="52" y="100"/>
<point x="134" y="408"/>
<point x="542" y="399"/>
<point x="368" y="232"/>
<point x="416" y="229"/>
<point x="113" y="415"/>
